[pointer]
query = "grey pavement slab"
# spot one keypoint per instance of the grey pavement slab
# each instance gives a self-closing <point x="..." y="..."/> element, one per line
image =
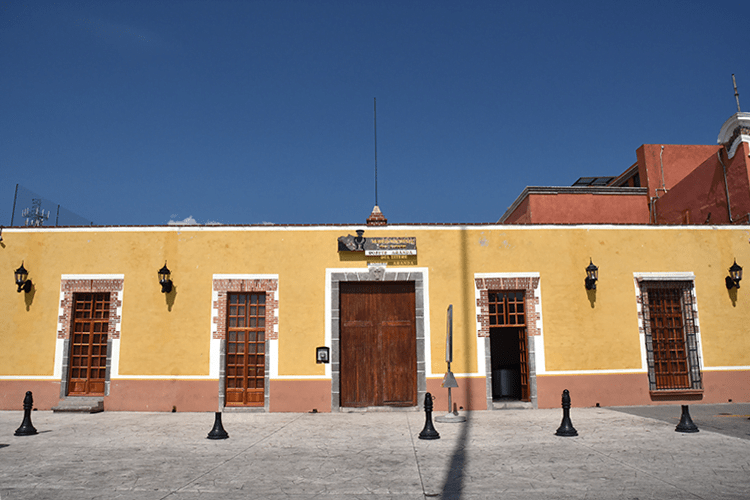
<point x="732" y="419"/>
<point x="366" y="455"/>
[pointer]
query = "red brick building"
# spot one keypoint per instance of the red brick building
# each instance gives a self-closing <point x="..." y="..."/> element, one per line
<point x="668" y="184"/>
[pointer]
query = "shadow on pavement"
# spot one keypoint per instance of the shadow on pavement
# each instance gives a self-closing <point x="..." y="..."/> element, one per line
<point x="730" y="419"/>
<point x="454" y="481"/>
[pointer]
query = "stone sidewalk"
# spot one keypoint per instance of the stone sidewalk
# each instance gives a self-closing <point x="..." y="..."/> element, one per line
<point x="511" y="454"/>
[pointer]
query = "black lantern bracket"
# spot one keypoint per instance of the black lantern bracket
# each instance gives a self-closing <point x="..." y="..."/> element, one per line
<point x="165" y="279"/>
<point x="22" y="279"/>
<point x="592" y="275"/>
<point x="735" y="275"/>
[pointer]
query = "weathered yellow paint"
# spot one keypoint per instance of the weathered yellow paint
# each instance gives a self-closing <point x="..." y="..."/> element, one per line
<point x="165" y="337"/>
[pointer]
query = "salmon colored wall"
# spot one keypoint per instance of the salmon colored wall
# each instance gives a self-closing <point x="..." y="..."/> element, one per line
<point x="521" y="215"/>
<point x="580" y="208"/>
<point x="46" y="393"/>
<point x="162" y="395"/>
<point x="632" y="389"/>
<point x="679" y="161"/>
<point x="127" y="395"/>
<point x="471" y="393"/>
<point x="584" y="208"/>
<point x="300" y="396"/>
<point x="738" y="175"/>
<point x="703" y="192"/>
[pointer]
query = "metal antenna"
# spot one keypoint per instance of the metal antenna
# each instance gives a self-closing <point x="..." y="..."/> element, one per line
<point x="375" y="110"/>
<point x="736" y="94"/>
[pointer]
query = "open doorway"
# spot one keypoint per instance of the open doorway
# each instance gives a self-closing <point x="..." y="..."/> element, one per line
<point x="508" y="345"/>
<point x="508" y="364"/>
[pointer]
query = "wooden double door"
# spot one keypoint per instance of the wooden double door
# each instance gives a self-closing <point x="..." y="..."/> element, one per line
<point x="378" y="344"/>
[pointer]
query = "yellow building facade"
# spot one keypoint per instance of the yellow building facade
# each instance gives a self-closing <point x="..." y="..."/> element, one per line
<point x="321" y="318"/>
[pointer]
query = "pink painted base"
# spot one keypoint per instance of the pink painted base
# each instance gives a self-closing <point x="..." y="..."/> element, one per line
<point x="162" y="395"/>
<point x="309" y="395"/>
<point x="300" y="396"/>
<point x="471" y="394"/>
<point x="632" y="389"/>
<point x="46" y="393"/>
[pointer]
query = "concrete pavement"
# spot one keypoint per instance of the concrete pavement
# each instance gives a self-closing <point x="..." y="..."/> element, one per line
<point x="369" y="455"/>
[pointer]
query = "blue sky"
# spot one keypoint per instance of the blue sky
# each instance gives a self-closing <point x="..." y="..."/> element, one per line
<point x="142" y="112"/>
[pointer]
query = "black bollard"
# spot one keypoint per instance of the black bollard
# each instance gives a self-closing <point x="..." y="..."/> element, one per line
<point x="429" y="431"/>
<point x="686" y="423"/>
<point x="566" y="427"/>
<point x="218" y="431"/>
<point x="26" y="428"/>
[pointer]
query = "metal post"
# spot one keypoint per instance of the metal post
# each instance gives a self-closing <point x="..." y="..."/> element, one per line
<point x="13" y="213"/>
<point x="449" y="381"/>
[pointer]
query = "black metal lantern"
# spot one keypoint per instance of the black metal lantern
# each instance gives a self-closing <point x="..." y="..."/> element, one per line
<point x="22" y="280"/>
<point x="592" y="275"/>
<point x="164" y="279"/>
<point x="735" y="275"/>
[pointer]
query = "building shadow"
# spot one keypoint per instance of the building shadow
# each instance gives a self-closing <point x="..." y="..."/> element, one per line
<point x="454" y="482"/>
<point x="453" y="485"/>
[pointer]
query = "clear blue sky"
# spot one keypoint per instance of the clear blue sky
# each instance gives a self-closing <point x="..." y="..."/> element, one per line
<point x="142" y="112"/>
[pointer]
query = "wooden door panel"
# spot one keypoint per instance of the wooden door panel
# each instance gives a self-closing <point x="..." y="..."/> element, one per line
<point x="524" y="365"/>
<point x="88" y="344"/>
<point x="668" y="339"/>
<point x="399" y="361"/>
<point x="359" y="384"/>
<point x="378" y="344"/>
<point x="245" y="366"/>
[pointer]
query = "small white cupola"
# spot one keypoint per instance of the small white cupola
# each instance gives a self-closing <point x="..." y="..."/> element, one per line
<point x="734" y="131"/>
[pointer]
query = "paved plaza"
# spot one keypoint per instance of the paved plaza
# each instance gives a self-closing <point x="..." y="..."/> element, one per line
<point x="373" y="455"/>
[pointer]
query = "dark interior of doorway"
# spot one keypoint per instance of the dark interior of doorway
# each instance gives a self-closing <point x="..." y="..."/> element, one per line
<point x="505" y="355"/>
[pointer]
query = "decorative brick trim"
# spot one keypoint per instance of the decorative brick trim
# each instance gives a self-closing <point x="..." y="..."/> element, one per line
<point x="224" y="286"/>
<point x="70" y="286"/>
<point x="377" y="218"/>
<point x="527" y="284"/>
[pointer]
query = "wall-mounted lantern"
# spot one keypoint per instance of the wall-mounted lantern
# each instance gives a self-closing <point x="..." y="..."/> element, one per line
<point x="22" y="279"/>
<point x="735" y="275"/>
<point x="164" y="279"/>
<point x="323" y="355"/>
<point x="592" y="275"/>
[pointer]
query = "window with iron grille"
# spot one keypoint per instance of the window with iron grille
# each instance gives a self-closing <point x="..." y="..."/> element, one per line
<point x="671" y="331"/>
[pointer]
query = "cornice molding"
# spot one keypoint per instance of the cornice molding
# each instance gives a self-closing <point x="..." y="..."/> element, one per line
<point x="734" y="131"/>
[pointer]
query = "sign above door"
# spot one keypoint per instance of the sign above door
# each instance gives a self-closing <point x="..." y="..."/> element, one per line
<point x="388" y="245"/>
